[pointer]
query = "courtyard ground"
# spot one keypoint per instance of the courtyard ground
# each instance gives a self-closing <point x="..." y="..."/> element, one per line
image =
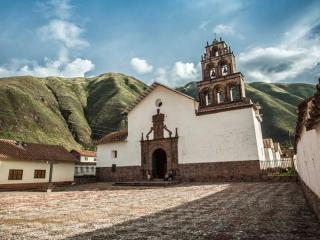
<point x="186" y="211"/>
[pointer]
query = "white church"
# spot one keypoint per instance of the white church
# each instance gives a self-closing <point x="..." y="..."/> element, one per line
<point x="170" y="133"/>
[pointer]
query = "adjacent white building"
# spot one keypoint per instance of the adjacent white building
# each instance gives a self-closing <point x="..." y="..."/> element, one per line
<point x="308" y="148"/>
<point x="30" y="165"/>
<point x="86" y="162"/>
<point x="170" y="133"/>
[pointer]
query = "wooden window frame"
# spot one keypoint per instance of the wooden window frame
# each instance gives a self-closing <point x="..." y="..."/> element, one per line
<point x="40" y="173"/>
<point x="114" y="154"/>
<point x="15" y="174"/>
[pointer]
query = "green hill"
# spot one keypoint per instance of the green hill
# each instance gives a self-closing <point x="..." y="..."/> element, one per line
<point x="278" y="102"/>
<point x="70" y="112"/>
<point x="75" y="112"/>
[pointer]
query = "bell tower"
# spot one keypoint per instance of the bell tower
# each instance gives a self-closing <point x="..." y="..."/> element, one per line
<point x="222" y="86"/>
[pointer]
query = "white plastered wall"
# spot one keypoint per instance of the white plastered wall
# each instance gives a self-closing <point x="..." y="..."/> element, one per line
<point x="61" y="171"/>
<point x="308" y="158"/>
<point x="219" y="137"/>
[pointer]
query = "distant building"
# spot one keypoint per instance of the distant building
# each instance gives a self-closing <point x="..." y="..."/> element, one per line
<point x="86" y="162"/>
<point x="170" y="133"/>
<point x="272" y="151"/>
<point x="31" y="165"/>
<point x="307" y="147"/>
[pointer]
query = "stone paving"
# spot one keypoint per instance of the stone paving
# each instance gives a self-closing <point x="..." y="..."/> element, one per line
<point x="186" y="211"/>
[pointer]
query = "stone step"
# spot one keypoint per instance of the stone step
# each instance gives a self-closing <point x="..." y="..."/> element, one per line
<point x="152" y="183"/>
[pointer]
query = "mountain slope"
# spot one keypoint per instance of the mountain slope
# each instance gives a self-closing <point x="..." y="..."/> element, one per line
<point x="70" y="112"/>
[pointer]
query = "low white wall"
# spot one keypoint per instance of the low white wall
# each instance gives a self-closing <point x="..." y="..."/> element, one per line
<point x="268" y="154"/>
<point x="87" y="159"/>
<point x="85" y="170"/>
<point x="61" y="171"/>
<point x="308" y="159"/>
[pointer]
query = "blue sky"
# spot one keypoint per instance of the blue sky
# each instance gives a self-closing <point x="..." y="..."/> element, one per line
<point x="275" y="40"/>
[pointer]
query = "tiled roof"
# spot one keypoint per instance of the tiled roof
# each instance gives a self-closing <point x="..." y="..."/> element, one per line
<point x="13" y="150"/>
<point x="149" y="90"/>
<point x="85" y="153"/>
<point x="118" y="136"/>
<point x="301" y="119"/>
<point x="314" y="114"/>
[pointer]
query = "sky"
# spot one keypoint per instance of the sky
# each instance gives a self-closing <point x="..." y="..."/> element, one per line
<point x="159" y="40"/>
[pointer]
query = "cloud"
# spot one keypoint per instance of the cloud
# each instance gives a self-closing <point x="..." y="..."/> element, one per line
<point x="179" y="73"/>
<point x="185" y="71"/>
<point x="67" y="34"/>
<point x="63" y="31"/>
<point x="62" y="67"/>
<point x="297" y="53"/>
<point x="223" y="29"/>
<point x="141" y="65"/>
<point x="55" y="8"/>
<point x="227" y="29"/>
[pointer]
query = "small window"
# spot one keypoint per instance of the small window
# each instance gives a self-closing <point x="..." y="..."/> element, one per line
<point x="86" y="158"/>
<point x="158" y="103"/>
<point x="114" y="153"/>
<point x="15" y="174"/>
<point x="39" y="173"/>
<point x="95" y="159"/>
<point x="113" y="168"/>
<point x="220" y="96"/>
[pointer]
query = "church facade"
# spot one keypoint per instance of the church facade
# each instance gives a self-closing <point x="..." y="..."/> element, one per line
<point x="217" y="137"/>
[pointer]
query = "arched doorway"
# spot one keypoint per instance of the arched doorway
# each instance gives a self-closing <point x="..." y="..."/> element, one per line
<point x="159" y="163"/>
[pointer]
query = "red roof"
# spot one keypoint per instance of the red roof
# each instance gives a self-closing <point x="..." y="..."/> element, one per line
<point x="118" y="136"/>
<point x="13" y="150"/>
<point x="85" y="153"/>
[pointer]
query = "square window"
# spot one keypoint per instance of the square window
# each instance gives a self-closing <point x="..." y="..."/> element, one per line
<point x="39" y="173"/>
<point x="114" y="153"/>
<point x="15" y="174"/>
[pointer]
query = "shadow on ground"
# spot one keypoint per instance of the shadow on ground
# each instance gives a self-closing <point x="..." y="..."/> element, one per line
<point x="242" y="211"/>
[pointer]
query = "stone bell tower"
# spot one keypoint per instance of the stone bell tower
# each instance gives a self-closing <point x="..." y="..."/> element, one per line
<point x="222" y="87"/>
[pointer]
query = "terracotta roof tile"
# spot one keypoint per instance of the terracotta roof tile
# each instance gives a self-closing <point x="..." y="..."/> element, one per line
<point x="13" y="150"/>
<point x="268" y="143"/>
<point x="314" y="114"/>
<point x="118" y="136"/>
<point x="85" y="153"/>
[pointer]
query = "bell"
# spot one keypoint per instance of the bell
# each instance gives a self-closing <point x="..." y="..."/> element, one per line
<point x="225" y="70"/>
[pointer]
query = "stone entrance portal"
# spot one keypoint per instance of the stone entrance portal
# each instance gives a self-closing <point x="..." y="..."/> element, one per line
<point x="159" y="163"/>
<point x="160" y="154"/>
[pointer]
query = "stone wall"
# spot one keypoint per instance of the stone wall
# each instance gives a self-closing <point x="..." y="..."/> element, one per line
<point x="28" y="186"/>
<point x="129" y="173"/>
<point x="312" y="198"/>
<point x="224" y="171"/>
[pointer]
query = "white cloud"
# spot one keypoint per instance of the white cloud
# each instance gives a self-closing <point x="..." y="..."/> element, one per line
<point x="223" y="29"/>
<point x="179" y="73"/>
<point x="59" y="67"/>
<point x="66" y="32"/>
<point x="185" y="71"/>
<point x="141" y="65"/>
<point x="68" y="36"/>
<point x="297" y="53"/>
